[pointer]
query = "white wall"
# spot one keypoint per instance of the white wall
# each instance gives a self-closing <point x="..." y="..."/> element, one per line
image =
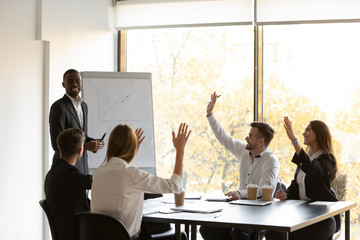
<point x="21" y="121"/>
<point x="80" y="35"/>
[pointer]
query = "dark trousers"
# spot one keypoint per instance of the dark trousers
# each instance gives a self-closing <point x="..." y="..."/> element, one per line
<point x="214" y="233"/>
<point x="323" y="230"/>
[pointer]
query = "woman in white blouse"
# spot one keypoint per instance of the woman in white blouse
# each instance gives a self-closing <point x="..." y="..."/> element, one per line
<point x="316" y="169"/>
<point x="118" y="188"/>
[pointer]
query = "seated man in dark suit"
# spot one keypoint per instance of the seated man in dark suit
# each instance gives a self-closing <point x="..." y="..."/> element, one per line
<point x="65" y="186"/>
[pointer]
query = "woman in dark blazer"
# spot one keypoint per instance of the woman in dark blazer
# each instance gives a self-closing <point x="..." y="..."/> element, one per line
<point x="316" y="169"/>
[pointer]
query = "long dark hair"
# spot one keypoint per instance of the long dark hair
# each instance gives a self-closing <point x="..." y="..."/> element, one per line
<point x="324" y="141"/>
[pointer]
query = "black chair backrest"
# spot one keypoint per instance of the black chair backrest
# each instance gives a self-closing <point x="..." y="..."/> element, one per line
<point x="43" y="204"/>
<point x="94" y="226"/>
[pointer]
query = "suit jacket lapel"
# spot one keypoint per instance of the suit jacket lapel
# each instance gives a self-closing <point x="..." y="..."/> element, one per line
<point x="84" y="109"/>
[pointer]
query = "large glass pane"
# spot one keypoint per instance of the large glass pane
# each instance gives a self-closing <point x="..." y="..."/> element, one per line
<point x="187" y="65"/>
<point x="310" y="72"/>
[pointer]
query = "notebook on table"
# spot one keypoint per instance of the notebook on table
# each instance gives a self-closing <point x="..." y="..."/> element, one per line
<point x="194" y="196"/>
<point x="216" y="198"/>
<point x="197" y="208"/>
<point x="251" y="202"/>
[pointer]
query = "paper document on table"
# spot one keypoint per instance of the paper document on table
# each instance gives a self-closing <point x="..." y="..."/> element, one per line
<point x="321" y="203"/>
<point x="150" y="211"/>
<point x="217" y="198"/>
<point x="192" y="196"/>
<point x="251" y="202"/>
<point x="290" y="202"/>
<point x="198" y="208"/>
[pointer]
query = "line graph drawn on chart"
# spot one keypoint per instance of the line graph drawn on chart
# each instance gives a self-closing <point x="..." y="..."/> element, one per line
<point x="121" y="101"/>
<point x="117" y="106"/>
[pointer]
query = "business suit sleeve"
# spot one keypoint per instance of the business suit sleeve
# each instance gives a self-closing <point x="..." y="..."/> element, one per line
<point x="293" y="190"/>
<point x="81" y="181"/>
<point x="56" y="123"/>
<point x="323" y="166"/>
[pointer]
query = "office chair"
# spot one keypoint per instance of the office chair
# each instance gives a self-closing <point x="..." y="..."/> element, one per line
<point x="339" y="187"/>
<point x="94" y="226"/>
<point x="44" y="206"/>
<point x="163" y="231"/>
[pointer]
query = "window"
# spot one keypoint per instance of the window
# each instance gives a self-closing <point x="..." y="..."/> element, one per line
<point x="310" y="73"/>
<point x="187" y="65"/>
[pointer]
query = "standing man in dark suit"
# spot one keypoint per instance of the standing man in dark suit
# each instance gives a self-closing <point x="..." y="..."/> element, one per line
<point x="71" y="111"/>
<point x="65" y="187"/>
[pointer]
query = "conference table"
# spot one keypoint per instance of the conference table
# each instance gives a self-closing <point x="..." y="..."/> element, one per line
<point x="283" y="216"/>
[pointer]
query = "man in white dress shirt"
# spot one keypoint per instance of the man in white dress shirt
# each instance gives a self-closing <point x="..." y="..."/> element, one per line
<point x="258" y="165"/>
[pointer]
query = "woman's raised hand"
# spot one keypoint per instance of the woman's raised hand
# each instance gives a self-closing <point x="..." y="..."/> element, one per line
<point x="139" y="133"/>
<point x="180" y="140"/>
<point x="289" y="129"/>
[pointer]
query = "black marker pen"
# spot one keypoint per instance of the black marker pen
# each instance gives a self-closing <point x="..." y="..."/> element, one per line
<point x="102" y="138"/>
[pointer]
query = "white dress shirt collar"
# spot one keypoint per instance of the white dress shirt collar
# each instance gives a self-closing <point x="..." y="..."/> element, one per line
<point x="74" y="101"/>
<point x="78" y="109"/>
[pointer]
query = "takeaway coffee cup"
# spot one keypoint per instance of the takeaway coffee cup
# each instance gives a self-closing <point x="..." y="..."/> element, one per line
<point x="179" y="199"/>
<point x="267" y="191"/>
<point x="252" y="191"/>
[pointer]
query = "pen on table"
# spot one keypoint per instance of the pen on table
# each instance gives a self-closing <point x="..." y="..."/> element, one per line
<point x="216" y="216"/>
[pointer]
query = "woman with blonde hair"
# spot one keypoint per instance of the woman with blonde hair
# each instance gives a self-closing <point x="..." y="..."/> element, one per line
<point x="118" y="188"/>
<point x="316" y="169"/>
